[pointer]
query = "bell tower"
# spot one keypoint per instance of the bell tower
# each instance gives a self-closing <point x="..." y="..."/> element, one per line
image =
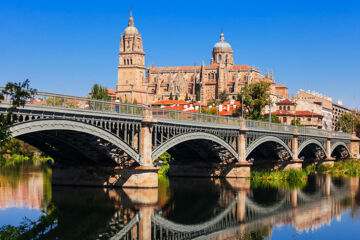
<point x="131" y="68"/>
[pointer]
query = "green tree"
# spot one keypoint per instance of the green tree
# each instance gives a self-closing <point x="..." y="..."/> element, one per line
<point x="348" y="122"/>
<point x="197" y="96"/>
<point x="297" y="122"/>
<point x="211" y="111"/>
<point x="176" y="97"/>
<point x="17" y="93"/>
<point x="55" y="101"/>
<point x="187" y="97"/>
<point x="223" y="96"/>
<point x="274" y="118"/>
<point x="99" y="92"/>
<point x="256" y="97"/>
<point x="171" y="96"/>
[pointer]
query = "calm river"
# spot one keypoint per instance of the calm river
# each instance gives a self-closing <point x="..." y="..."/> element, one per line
<point x="181" y="208"/>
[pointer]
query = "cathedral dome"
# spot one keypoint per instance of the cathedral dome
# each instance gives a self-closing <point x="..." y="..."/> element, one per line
<point x="222" y="45"/>
<point x="131" y="29"/>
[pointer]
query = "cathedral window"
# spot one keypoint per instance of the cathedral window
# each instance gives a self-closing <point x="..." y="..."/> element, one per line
<point x="131" y="61"/>
<point x="219" y="57"/>
<point x="124" y="61"/>
<point x="127" y="61"/>
<point x="226" y="57"/>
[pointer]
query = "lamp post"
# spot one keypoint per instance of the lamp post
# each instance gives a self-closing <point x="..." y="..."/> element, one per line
<point x="295" y="114"/>
<point x="312" y="118"/>
<point x="200" y="96"/>
<point x="270" y="112"/>
<point x="242" y="104"/>
<point x="132" y="90"/>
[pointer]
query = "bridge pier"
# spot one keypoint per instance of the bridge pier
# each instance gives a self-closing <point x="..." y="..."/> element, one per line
<point x="355" y="146"/>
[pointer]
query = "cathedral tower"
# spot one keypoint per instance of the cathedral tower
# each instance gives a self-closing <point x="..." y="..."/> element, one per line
<point x="222" y="52"/>
<point x="131" y="68"/>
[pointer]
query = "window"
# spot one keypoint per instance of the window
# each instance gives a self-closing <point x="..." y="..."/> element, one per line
<point x="285" y="119"/>
<point x="130" y="61"/>
<point x="226" y="57"/>
<point x="280" y="108"/>
<point x="288" y="108"/>
<point x="309" y="119"/>
<point x="219" y="57"/>
<point x="124" y="61"/>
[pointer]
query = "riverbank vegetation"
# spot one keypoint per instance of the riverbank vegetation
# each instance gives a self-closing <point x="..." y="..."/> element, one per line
<point x="346" y="168"/>
<point x="14" y="153"/>
<point x="164" y="162"/>
<point x="297" y="178"/>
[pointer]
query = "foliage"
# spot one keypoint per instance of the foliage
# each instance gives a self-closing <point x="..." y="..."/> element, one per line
<point x="279" y="178"/>
<point x="55" y="101"/>
<point x="223" y="96"/>
<point x="99" y="92"/>
<point x="211" y="111"/>
<point x="187" y="97"/>
<point x="348" y="122"/>
<point x="346" y="168"/>
<point x="32" y="229"/>
<point x="176" y="97"/>
<point x="297" y="122"/>
<point x="164" y="162"/>
<point x="17" y="93"/>
<point x="171" y="96"/>
<point x="197" y="96"/>
<point x="274" y="118"/>
<point x="256" y="97"/>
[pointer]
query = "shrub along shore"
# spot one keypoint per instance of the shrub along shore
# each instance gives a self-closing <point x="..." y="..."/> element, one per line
<point x="297" y="178"/>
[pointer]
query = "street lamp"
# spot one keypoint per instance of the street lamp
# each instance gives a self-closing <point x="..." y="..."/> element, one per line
<point x="295" y="115"/>
<point x="312" y="118"/>
<point x="132" y="90"/>
<point x="242" y="104"/>
<point x="270" y="111"/>
<point x="200" y="97"/>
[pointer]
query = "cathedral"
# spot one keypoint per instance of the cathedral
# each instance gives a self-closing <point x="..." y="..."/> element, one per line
<point x="158" y="83"/>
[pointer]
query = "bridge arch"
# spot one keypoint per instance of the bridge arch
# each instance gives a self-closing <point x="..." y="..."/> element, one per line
<point x="311" y="141"/>
<point x="69" y="125"/>
<point x="262" y="140"/>
<point x="192" y="136"/>
<point x="337" y="144"/>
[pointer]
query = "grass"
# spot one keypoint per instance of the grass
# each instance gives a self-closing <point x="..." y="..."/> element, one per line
<point x="346" y="168"/>
<point x="279" y="178"/>
<point x="15" y="160"/>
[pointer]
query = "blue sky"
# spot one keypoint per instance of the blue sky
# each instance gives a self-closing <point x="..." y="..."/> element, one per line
<point x="67" y="46"/>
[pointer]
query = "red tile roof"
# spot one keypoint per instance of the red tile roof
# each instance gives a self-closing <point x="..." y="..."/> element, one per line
<point x="298" y="113"/>
<point x="111" y="91"/>
<point x="279" y="85"/>
<point x="171" y="102"/>
<point x="285" y="102"/>
<point x="235" y="67"/>
<point x="182" y="68"/>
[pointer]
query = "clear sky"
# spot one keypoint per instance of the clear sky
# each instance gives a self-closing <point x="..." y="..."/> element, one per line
<point x="67" y="46"/>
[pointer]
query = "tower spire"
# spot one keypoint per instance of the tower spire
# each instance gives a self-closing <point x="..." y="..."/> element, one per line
<point x="272" y="75"/>
<point x="267" y="74"/>
<point x="131" y="20"/>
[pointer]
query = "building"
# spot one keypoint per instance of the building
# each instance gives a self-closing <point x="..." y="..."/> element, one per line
<point x="157" y="83"/>
<point x="330" y="110"/>
<point x="288" y="110"/>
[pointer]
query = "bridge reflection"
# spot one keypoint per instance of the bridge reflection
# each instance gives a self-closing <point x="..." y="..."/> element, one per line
<point x="231" y="210"/>
<point x="186" y="208"/>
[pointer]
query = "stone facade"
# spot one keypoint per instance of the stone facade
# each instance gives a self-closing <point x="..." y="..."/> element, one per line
<point x="159" y="82"/>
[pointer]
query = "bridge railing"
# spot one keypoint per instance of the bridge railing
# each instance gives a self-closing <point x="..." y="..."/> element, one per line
<point x="253" y="124"/>
<point x="313" y="131"/>
<point x="191" y="116"/>
<point x="71" y="102"/>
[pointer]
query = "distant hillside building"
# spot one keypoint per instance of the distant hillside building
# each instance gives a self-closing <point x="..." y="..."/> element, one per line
<point x="157" y="83"/>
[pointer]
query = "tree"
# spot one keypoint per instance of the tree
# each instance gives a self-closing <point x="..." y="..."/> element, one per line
<point x="223" y="96"/>
<point x="256" y="97"/>
<point x="197" y="96"/>
<point x="176" y="97"/>
<point x="274" y="118"/>
<point x="99" y="92"/>
<point x="17" y="93"/>
<point x="171" y="96"/>
<point x="297" y="122"/>
<point x="349" y="122"/>
<point x="187" y="97"/>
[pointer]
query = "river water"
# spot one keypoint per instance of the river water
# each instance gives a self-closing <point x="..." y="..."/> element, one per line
<point x="181" y="208"/>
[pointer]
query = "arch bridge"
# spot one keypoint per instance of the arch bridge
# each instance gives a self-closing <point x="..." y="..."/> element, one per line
<point x="104" y="133"/>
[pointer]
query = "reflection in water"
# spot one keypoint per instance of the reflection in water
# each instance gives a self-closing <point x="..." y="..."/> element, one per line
<point x="183" y="208"/>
